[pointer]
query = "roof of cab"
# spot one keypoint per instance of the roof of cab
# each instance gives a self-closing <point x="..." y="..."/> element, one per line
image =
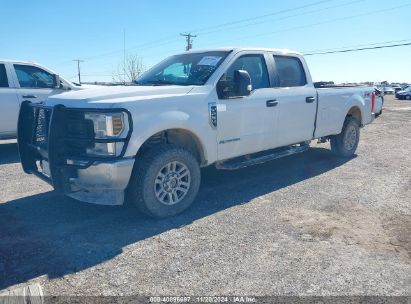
<point x="17" y="61"/>
<point x="238" y="49"/>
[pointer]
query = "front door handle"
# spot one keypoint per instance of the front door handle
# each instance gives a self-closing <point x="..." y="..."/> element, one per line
<point x="309" y="99"/>
<point x="29" y="96"/>
<point x="272" y="103"/>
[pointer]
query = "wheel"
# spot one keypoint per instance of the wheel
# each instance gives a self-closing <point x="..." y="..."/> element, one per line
<point x="345" y="143"/>
<point x="408" y="97"/>
<point x="165" y="180"/>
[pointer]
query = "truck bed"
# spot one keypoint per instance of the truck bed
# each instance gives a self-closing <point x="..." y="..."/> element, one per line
<point x="335" y="102"/>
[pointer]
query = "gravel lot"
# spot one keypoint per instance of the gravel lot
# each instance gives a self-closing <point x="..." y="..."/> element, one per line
<point x="308" y="224"/>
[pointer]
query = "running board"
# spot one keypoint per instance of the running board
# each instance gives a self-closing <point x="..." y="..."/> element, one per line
<point x="250" y="160"/>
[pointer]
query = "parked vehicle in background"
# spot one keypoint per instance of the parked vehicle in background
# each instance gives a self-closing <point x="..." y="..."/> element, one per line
<point x="20" y="81"/>
<point x="404" y="94"/>
<point x="231" y="108"/>
<point x="388" y="91"/>
<point x="397" y="88"/>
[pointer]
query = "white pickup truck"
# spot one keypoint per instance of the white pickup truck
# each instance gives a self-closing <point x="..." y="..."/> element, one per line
<point x="21" y="80"/>
<point x="228" y="107"/>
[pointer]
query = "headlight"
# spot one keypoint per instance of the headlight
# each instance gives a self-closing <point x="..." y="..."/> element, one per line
<point x="108" y="126"/>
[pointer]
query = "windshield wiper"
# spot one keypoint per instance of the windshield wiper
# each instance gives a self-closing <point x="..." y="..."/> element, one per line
<point x="159" y="82"/>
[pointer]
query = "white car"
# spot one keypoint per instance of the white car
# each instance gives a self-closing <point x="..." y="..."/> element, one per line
<point x="20" y="81"/>
<point x="231" y="108"/>
<point x="388" y="91"/>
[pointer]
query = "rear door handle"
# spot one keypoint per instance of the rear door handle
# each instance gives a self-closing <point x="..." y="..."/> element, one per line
<point x="309" y="99"/>
<point x="29" y="96"/>
<point x="272" y="103"/>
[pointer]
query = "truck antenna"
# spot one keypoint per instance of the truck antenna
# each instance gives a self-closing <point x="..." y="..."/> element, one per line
<point x="78" y="69"/>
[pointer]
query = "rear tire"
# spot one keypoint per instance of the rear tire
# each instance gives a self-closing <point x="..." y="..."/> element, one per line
<point x="165" y="180"/>
<point x="345" y="144"/>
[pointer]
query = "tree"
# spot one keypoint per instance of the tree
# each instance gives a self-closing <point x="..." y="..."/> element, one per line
<point x="130" y="70"/>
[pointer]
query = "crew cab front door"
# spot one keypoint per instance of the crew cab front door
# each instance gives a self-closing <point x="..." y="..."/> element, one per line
<point x="246" y="124"/>
<point x="34" y="83"/>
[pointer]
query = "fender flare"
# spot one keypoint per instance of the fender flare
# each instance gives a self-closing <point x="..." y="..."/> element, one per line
<point x="356" y="101"/>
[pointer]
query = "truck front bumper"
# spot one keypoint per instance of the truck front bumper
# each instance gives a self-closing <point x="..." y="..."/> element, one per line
<point x="102" y="183"/>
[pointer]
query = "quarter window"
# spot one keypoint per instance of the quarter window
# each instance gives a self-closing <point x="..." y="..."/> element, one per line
<point x="290" y="72"/>
<point x="33" y="77"/>
<point x="4" y="83"/>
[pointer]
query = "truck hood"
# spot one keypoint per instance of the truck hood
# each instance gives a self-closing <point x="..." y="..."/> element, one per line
<point x="108" y="96"/>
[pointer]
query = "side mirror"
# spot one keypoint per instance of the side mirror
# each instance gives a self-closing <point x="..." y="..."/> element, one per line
<point x="57" y="84"/>
<point x="238" y="86"/>
<point x="242" y="82"/>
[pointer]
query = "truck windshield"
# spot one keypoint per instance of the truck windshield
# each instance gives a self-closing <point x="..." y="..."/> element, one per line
<point x="184" y="69"/>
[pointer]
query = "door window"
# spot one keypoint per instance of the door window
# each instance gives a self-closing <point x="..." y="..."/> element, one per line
<point x="256" y="68"/>
<point x="290" y="72"/>
<point x="33" y="77"/>
<point x="4" y="83"/>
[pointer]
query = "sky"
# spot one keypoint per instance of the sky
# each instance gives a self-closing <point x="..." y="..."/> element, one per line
<point x="53" y="33"/>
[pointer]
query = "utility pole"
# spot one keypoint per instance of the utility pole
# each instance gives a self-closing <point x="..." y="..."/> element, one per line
<point x="78" y="69"/>
<point x="189" y="40"/>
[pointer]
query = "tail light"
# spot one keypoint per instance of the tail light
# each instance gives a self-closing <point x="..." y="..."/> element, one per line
<point x="372" y="102"/>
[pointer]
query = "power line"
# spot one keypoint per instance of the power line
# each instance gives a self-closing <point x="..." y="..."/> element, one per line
<point x="261" y="16"/>
<point x="189" y="40"/>
<point x="153" y="43"/>
<point x="354" y="46"/>
<point x="78" y="69"/>
<point x="166" y="42"/>
<point x="167" y="39"/>
<point x="360" y="49"/>
<point x="284" y="18"/>
<point x="315" y="24"/>
<point x="335" y="50"/>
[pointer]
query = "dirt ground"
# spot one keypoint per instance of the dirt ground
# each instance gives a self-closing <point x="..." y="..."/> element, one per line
<point x="309" y="224"/>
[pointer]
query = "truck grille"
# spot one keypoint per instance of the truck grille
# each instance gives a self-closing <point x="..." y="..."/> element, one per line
<point x="41" y="118"/>
<point x="79" y="134"/>
<point x="60" y="137"/>
<point x="76" y="133"/>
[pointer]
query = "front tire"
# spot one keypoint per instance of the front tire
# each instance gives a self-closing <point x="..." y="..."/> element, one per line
<point x="345" y="144"/>
<point x="165" y="180"/>
<point x="408" y="97"/>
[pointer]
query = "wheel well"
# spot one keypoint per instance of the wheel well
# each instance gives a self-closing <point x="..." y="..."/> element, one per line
<point x="179" y="137"/>
<point x="356" y="113"/>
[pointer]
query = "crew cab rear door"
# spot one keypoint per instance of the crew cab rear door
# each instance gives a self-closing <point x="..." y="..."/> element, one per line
<point x="297" y="100"/>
